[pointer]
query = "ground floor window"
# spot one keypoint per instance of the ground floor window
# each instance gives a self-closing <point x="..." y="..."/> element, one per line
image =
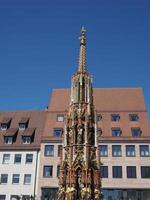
<point x="114" y="194"/>
<point x="2" y="197"/>
<point x="49" y="193"/>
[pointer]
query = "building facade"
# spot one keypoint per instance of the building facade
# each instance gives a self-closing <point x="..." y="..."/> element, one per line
<point x="20" y="135"/>
<point x="124" y="143"/>
<point x="123" y="139"/>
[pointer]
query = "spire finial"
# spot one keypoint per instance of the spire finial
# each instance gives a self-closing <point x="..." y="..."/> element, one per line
<point x="82" y="38"/>
<point x="82" y="55"/>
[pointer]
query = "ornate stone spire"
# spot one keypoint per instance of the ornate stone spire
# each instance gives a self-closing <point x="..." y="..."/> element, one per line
<point x="80" y="173"/>
<point x="82" y="54"/>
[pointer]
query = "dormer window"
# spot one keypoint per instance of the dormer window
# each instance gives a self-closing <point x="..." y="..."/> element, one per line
<point x="23" y="124"/>
<point x="115" y="117"/>
<point x="58" y="132"/>
<point x="8" y="139"/>
<point x="5" y="123"/>
<point x="99" y="117"/>
<point x="10" y="135"/>
<point x="136" y="132"/>
<point x="26" y="140"/>
<point x="60" y="118"/>
<point x="4" y="127"/>
<point x="28" y="135"/>
<point x="116" y="132"/>
<point x="134" y="117"/>
<point x="22" y="127"/>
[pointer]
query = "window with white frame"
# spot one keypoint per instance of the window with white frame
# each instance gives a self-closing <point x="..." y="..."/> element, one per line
<point x="49" y="150"/>
<point x="6" y="158"/>
<point x="22" y="127"/>
<point x="144" y="150"/>
<point x="27" y="179"/>
<point x="26" y="140"/>
<point x="103" y="150"/>
<point x="8" y="139"/>
<point x="116" y="150"/>
<point x="60" y="118"/>
<point x="48" y="171"/>
<point x="15" y="178"/>
<point x="4" y="127"/>
<point x="17" y="158"/>
<point x="29" y="158"/>
<point x="130" y="150"/>
<point x="4" y="178"/>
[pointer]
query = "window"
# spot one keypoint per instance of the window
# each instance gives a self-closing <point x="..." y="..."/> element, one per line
<point x="29" y="158"/>
<point x="131" y="172"/>
<point x="130" y="150"/>
<point x="48" y="171"/>
<point x="15" y="197"/>
<point x="144" y="150"/>
<point x="115" y="117"/>
<point x="17" y="158"/>
<point x="60" y="118"/>
<point x="133" y="117"/>
<point x="116" y="150"/>
<point x="103" y="150"/>
<point x="136" y="132"/>
<point x="4" y="127"/>
<point x="26" y="139"/>
<point x="116" y="132"/>
<point x="2" y="197"/>
<point x="59" y="150"/>
<point x="27" y="178"/>
<point x="22" y="127"/>
<point x="58" y="170"/>
<point x="49" y="150"/>
<point x="117" y="172"/>
<point x="6" y="158"/>
<point x="57" y="132"/>
<point x="23" y="123"/>
<point x="104" y="171"/>
<point x="145" y="171"/>
<point x="8" y="139"/>
<point x="15" y="178"/>
<point x="26" y="197"/>
<point x="99" y="117"/>
<point x="4" y="178"/>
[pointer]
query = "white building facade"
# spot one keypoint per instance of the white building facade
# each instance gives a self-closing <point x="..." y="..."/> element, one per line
<point x="20" y="136"/>
<point x="18" y="174"/>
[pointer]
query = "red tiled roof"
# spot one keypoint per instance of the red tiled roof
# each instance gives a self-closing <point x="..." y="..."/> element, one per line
<point x="105" y="99"/>
<point x="36" y="122"/>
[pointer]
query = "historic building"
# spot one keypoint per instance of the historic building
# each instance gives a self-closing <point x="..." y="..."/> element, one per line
<point x="123" y="140"/>
<point x="20" y="135"/>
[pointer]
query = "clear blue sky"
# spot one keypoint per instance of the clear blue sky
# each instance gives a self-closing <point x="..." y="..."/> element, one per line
<point x="39" y="47"/>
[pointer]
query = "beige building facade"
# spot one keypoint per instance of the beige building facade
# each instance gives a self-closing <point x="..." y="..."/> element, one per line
<point x="124" y="143"/>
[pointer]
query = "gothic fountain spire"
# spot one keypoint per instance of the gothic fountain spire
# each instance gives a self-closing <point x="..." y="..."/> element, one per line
<point x="80" y="174"/>
<point x="82" y="53"/>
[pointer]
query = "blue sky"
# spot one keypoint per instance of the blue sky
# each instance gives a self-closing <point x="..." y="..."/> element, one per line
<point x="39" y="47"/>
